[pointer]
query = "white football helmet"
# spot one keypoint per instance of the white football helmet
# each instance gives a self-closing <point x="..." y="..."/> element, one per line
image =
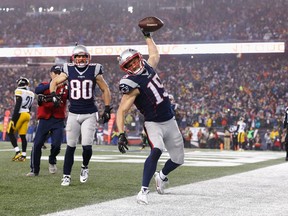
<point x="23" y="82"/>
<point x="80" y="50"/>
<point x="126" y="56"/>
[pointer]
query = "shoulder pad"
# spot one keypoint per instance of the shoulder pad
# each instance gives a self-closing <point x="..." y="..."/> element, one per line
<point x="127" y="84"/>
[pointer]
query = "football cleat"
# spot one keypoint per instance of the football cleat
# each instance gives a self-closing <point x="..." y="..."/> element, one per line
<point x="142" y="197"/>
<point x="17" y="156"/>
<point x="31" y="174"/>
<point x="52" y="168"/>
<point x="160" y="184"/>
<point x="84" y="174"/>
<point x="66" y="180"/>
<point x="21" y="158"/>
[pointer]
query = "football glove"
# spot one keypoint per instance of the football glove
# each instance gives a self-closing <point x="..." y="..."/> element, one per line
<point x="122" y="143"/>
<point x="146" y="34"/>
<point x="55" y="99"/>
<point x="41" y="99"/>
<point x="106" y="115"/>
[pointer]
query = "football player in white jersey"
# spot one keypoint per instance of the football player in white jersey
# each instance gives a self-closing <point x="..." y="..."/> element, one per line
<point x="21" y="117"/>
<point x="241" y="129"/>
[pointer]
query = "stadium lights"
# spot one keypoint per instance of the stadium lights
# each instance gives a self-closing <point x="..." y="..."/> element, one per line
<point x="130" y="9"/>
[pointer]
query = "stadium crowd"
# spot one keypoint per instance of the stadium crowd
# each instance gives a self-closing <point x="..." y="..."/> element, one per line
<point x="216" y="87"/>
<point x="220" y="87"/>
<point x="104" y="23"/>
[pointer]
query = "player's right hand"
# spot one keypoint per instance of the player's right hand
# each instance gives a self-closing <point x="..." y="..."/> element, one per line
<point x="122" y="143"/>
<point x="106" y="115"/>
<point x="55" y="99"/>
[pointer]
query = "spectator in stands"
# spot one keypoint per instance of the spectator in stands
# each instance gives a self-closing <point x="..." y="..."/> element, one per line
<point x="267" y="140"/>
<point x="258" y="142"/>
<point x="187" y="135"/>
<point x="227" y="138"/>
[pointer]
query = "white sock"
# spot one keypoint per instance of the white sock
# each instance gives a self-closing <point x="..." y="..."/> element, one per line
<point x="162" y="176"/>
<point x="24" y="154"/>
<point x="17" y="149"/>
<point x="144" y="188"/>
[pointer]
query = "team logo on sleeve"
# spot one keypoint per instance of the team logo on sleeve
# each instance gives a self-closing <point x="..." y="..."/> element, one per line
<point x="124" y="88"/>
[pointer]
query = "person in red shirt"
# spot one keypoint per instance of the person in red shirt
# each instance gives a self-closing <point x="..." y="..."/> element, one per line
<point x="51" y="122"/>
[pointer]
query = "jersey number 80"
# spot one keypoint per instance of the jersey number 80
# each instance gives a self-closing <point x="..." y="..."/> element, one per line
<point x="81" y="89"/>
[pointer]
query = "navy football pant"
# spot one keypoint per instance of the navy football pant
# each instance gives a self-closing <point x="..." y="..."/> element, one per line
<point x="54" y="128"/>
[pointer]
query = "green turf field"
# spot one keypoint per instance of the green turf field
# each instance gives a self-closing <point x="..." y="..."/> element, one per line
<point x="108" y="179"/>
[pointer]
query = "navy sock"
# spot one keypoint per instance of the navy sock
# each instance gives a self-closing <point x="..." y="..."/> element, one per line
<point x="86" y="154"/>
<point x="169" y="167"/>
<point x="150" y="166"/>
<point x="69" y="160"/>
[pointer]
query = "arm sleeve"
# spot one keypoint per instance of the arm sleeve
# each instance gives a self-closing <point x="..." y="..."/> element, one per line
<point x="41" y="88"/>
<point x="16" y="113"/>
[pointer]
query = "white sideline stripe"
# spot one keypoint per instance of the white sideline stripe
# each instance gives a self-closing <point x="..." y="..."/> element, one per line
<point x="194" y="158"/>
<point x="261" y="192"/>
<point x="197" y="158"/>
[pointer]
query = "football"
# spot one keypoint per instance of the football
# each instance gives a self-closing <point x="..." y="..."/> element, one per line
<point x="150" y="24"/>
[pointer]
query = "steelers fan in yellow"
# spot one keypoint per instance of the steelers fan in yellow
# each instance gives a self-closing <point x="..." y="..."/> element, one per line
<point x="21" y="117"/>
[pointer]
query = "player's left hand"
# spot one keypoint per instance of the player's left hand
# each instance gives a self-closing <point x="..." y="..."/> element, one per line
<point x="107" y="114"/>
<point x="122" y="143"/>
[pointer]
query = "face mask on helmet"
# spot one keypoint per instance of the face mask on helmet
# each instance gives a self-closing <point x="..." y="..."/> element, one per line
<point x="131" y="62"/>
<point x="22" y="82"/>
<point x="80" y="56"/>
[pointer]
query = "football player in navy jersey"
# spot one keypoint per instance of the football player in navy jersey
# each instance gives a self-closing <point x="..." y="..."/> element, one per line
<point x="82" y="77"/>
<point x="142" y="87"/>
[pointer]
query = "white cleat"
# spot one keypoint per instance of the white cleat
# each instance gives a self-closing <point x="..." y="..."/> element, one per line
<point x="142" y="197"/>
<point x="84" y="174"/>
<point x="160" y="184"/>
<point x="52" y="168"/>
<point x="66" y="180"/>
